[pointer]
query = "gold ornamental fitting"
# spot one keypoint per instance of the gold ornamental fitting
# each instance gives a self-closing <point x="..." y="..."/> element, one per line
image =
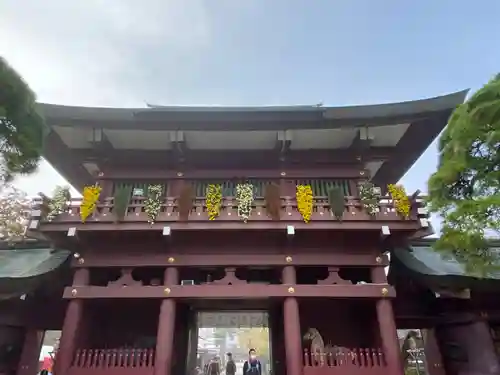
<point x="167" y="290"/>
<point x="81" y="260"/>
<point x="288" y="259"/>
<point x="283" y="174"/>
<point x="74" y="292"/>
<point x="180" y="174"/>
<point x="291" y="290"/>
<point x="385" y="291"/>
<point x="378" y="259"/>
<point x="171" y="260"/>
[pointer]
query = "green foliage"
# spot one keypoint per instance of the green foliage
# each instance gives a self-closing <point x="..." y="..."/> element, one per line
<point x="58" y="204"/>
<point x="22" y="129"/>
<point x="465" y="189"/>
<point x="121" y="201"/>
<point x="336" y="200"/>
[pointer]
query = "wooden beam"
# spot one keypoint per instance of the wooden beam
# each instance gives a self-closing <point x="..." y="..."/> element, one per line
<point x="247" y="291"/>
<point x="409" y="226"/>
<point x="245" y="158"/>
<point x="104" y="259"/>
<point x="283" y="143"/>
<point x="361" y="144"/>
<point x="180" y="147"/>
<point x="100" y="142"/>
<point x="339" y="171"/>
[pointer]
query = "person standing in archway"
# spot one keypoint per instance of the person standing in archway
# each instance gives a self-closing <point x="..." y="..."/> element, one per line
<point x="230" y="365"/>
<point x="252" y="366"/>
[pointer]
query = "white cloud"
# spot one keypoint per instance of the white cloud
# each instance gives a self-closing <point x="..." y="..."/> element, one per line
<point x="99" y="53"/>
<point x="94" y="53"/>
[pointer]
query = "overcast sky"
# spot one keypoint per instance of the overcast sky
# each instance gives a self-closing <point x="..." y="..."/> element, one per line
<point x="248" y="52"/>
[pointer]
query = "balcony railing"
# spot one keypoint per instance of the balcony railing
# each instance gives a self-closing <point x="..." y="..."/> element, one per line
<point x="169" y="212"/>
<point x="344" y="361"/>
<point x="113" y="362"/>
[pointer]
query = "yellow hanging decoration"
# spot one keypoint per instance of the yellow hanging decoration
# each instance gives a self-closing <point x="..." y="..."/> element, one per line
<point x="400" y="199"/>
<point x="304" y="197"/>
<point x="89" y="201"/>
<point x="213" y="200"/>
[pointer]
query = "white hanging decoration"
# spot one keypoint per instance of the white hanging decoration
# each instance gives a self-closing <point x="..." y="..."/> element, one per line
<point x="244" y="197"/>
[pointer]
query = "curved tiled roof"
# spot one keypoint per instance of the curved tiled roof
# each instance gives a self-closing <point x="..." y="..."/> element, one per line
<point x="433" y="268"/>
<point x="408" y="109"/>
<point x="22" y="270"/>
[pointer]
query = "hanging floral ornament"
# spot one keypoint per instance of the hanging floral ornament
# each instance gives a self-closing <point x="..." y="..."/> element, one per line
<point x="336" y="200"/>
<point x="152" y="205"/>
<point x="304" y="197"/>
<point x="213" y="200"/>
<point x="244" y="197"/>
<point x="369" y="196"/>
<point x="400" y="199"/>
<point x="89" y="201"/>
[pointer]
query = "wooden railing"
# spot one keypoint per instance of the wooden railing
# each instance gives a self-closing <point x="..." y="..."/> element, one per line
<point x="113" y="362"/>
<point x="345" y="361"/>
<point x="353" y="211"/>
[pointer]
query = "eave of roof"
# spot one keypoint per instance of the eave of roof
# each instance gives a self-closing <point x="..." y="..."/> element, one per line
<point x="426" y="117"/>
<point x="432" y="269"/>
<point x="23" y="270"/>
<point x="291" y="116"/>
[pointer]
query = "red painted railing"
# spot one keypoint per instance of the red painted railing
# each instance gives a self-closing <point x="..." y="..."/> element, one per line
<point x="345" y="361"/>
<point x="353" y="211"/>
<point x="113" y="362"/>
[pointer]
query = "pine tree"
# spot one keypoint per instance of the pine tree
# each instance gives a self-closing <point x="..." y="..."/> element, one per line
<point x="22" y="128"/>
<point x="465" y="189"/>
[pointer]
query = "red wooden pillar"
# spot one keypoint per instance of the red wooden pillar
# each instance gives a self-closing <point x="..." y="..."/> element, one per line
<point x="71" y="327"/>
<point x="433" y="353"/>
<point x="29" y="362"/>
<point x="291" y="322"/>
<point x="166" y="327"/>
<point x="387" y="326"/>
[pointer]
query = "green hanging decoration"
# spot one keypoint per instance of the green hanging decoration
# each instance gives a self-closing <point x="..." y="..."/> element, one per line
<point x="121" y="200"/>
<point x="336" y="200"/>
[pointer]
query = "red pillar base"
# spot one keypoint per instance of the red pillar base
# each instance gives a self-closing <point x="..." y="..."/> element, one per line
<point x="389" y="336"/>
<point x="29" y="362"/>
<point x="166" y="328"/>
<point x="165" y="338"/>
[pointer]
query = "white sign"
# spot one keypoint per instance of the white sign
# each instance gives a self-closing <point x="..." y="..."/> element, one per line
<point x="138" y="192"/>
<point x="234" y="319"/>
